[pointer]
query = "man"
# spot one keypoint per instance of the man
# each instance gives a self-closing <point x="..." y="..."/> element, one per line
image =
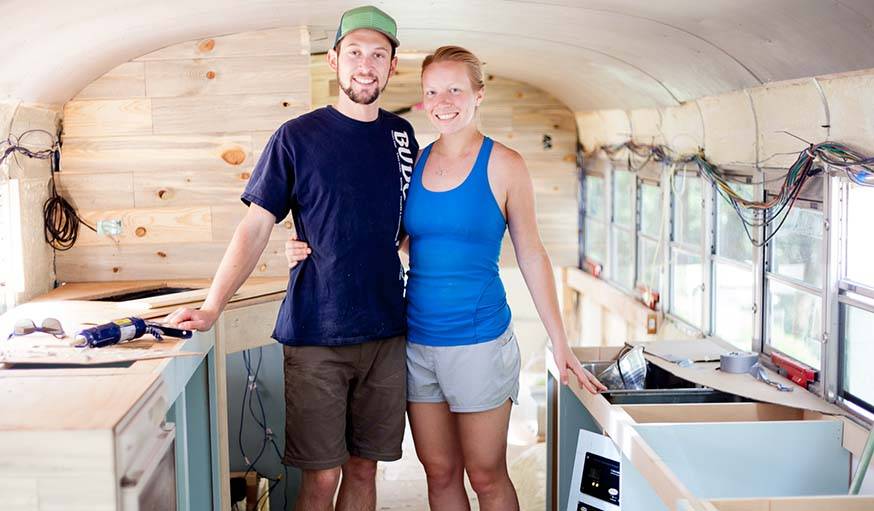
<point x="343" y="172"/>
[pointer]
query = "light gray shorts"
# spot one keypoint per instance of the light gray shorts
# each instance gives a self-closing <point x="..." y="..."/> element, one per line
<point x="470" y="378"/>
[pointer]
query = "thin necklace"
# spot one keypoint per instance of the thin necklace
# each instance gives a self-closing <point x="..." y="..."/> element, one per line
<point x="441" y="169"/>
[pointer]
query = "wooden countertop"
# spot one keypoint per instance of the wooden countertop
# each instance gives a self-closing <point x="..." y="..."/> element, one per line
<point x="98" y="397"/>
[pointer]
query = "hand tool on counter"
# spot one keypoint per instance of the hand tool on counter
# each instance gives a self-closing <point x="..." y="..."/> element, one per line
<point x="759" y="373"/>
<point x="126" y="329"/>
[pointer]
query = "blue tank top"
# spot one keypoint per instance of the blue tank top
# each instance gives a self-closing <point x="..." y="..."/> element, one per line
<point x="454" y="294"/>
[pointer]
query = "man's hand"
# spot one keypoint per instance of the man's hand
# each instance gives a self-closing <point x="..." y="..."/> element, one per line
<point x="296" y="251"/>
<point x="191" y="319"/>
<point x="565" y="360"/>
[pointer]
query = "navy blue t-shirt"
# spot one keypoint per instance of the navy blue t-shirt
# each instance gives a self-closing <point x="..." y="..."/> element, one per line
<point x="344" y="182"/>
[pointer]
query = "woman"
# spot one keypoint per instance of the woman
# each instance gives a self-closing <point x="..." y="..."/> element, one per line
<point x="462" y="356"/>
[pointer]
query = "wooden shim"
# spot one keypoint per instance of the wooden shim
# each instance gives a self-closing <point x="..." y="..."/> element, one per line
<point x="168" y="261"/>
<point x="191" y="187"/>
<point x="276" y="41"/>
<point x="215" y="114"/>
<point x="92" y="191"/>
<point x="124" y="81"/>
<point x="150" y="226"/>
<point x="286" y="74"/>
<point x="155" y="153"/>
<point x="108" y="117"/>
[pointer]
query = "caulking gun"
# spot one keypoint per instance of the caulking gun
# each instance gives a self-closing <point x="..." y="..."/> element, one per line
<point x="126" y="329"/>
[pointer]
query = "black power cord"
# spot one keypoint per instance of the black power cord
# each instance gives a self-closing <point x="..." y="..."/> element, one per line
<point x="250" y="391"/>
<point x="60" y="220"/>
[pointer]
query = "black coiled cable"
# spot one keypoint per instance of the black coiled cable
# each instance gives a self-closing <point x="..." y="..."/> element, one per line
<point x="60" y="220"/>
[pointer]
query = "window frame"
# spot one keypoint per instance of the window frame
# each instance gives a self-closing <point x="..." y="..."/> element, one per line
<point x="798" y="285"/>
<point x="629" y="230"/>
<point x="604" y="222"/>
<point x="837" y="291"/>
<point x="698" y="249"/>
<point x="749" y="177"/>
<point x="659" y="242"/>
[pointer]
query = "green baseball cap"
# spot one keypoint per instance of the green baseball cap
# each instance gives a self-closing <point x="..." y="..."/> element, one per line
<point x="368" y="17"/>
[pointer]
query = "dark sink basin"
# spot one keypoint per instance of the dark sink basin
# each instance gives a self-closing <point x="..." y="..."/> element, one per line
<point x="661" y="386"/>
<point x="148" y="293"/>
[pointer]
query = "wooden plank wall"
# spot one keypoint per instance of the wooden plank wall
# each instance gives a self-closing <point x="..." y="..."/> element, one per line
<point x="166" y="143"/>
<point x="515" y="114"/>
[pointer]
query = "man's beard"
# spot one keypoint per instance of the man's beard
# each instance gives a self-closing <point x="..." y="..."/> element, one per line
<point x="362" y="98"/>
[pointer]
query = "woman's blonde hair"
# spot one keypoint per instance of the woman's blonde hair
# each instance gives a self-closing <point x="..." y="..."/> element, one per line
<point x="458" y="54"/>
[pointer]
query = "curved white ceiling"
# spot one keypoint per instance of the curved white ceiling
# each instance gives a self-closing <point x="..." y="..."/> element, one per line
<point x="592" y="54"/>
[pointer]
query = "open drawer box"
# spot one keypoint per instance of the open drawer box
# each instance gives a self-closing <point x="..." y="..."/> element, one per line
<point x="686" y="448"/>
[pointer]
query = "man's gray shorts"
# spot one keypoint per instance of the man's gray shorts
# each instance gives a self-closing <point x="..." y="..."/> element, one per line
<point x="470" y="378"/>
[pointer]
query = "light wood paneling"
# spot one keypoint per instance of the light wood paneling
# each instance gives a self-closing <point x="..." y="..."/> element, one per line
<point x="92" y="191"/>
<point x="156" y="153"/>
<point x="241" y="75"/>
<point x="165" y="144"/>
<point x="190" y="187"/>
<point x="276" y="41"/>
<point x="159" y="225"/>
<point x="125" y="81"/>
<point x="179" y="259"/>
<point x="249" y="112"/>
<point x="108" y="117"/>
<point x="225" y="220"/>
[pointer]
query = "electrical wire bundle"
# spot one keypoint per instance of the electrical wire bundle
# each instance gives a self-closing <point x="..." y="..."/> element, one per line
<point x="755" y="214"/>
<point x="61" y="222"/>
<point x="250" y="391"/>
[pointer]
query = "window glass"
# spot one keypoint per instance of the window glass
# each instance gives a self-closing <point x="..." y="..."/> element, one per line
<point x="648" y="263"/>
<point x="797" y="247"/>
<point x="858" y="379"/>
<point x="687" y="279"/>
<point x="623" y="198"/>
<point x="731" y="238"/>
<point x="595" y="197"/>
<point x="794" y="321"/>
<point x="688" y="209"/>
<point x="650" y="209"/>
<point x="596" y="240"/>
<point x="623" y="258"/>
<point x="733" y="304"/>
<point x="860" y="242"/>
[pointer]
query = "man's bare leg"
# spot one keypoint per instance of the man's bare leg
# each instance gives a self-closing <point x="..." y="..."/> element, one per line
<point x="358" y="485"/>
<point x="317" y="489"/>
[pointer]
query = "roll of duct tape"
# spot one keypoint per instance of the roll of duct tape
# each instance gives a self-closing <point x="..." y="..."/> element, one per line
<point x="737" y="362"/>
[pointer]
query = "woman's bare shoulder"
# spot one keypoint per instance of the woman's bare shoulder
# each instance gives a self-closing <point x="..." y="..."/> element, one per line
<point x="507" y="161"/>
